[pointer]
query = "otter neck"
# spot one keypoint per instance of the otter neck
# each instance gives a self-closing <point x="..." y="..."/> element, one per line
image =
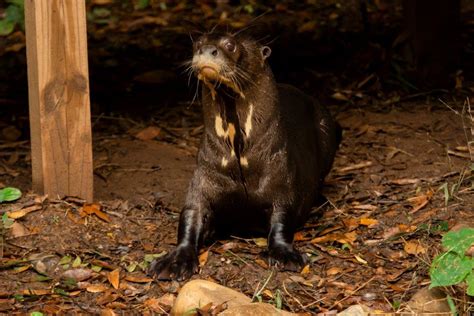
<point x="240" y="112"/>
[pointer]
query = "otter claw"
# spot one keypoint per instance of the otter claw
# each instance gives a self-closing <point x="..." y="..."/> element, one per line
<point x="178" y="265"/>
<point x="286" y="258"/>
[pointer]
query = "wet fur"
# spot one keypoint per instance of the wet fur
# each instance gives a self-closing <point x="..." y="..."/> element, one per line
<point x="289" y="151"/>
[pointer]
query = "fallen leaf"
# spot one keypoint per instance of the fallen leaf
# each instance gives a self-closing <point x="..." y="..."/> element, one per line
<point x="260" y="242"/>
<point x="370" y="222"/>
<point x="21" y="269"/>
<point x="414" y="248"/>
<point x="353" y="167"/>
<point x="347" y="238"/>
<point x="305" y="270"/>
<point x="96" y="288"/>
<point x="366" y="207"/>
<point x="268" y="293"/>
<point x="20" y="213"/>
<point x="18" y="230"/>
<point x="106" y="298"/>
<point x="138" y="279"/>
<point x="404" y="181"/>
<point x="148" y="133"/>
<point x="38" y="292"/>
<point x="333" y="271"/>
<point x="167" y="300"/>
<point x="418" y="202"/>
<point x="114" y="278"/>
<point x="79" y="274"/>
<point x="107" y="312"/>
<point x="95" y="208"/>
<point x="154" y="304"/>
<point x="261" y="263"/>
<point x="203" y="258"/>
<point x="359" y="259"/>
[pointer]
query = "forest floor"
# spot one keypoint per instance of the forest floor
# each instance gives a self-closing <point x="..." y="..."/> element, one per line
<point x="402" y="178"/>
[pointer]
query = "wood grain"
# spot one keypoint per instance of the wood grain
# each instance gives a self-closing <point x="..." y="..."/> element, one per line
<point x="58" y="83"/>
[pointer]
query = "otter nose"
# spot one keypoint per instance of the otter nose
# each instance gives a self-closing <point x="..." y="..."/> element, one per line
<point x="209" y="50"/>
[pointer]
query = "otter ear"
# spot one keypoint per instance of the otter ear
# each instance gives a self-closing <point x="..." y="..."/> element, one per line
<point x="265" y="51"/>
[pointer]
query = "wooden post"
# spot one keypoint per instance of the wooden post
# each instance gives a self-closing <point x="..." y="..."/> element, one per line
<point x="58" y="83"/>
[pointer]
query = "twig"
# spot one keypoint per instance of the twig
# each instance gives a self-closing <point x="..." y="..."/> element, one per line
<point x="352" y="292"/>
<point x="257" y="293"/>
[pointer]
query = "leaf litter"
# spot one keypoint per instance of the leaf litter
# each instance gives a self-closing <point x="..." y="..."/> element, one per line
<point x="370" y="243"/>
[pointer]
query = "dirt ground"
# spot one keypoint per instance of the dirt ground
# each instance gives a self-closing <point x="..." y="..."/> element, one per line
<point x="384" y="197"/>
<point x="402" y="176"/>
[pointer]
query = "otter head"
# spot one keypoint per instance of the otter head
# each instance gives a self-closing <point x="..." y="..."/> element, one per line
<point x="227" y="59"/>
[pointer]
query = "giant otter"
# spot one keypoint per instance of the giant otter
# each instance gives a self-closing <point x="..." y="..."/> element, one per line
<point x="263" y="157"/>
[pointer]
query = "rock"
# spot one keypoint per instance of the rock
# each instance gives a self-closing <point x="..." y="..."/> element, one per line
<point x="429" y="301"/>
<point x="356" y="310"/>
<point x="199" y="293"/>
<point x="254" y="309"/>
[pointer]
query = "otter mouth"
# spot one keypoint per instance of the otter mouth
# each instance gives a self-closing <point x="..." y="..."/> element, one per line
<point x="209" y="73"/>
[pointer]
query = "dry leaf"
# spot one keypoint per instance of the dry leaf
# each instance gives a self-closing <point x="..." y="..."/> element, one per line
<point x="38" y="292"/>
<point x="370" y="222"/>
<point x="18" y="230"/>
<point x="299" y="236"/>
<point x="268" y="293"/>
<point x="148" y="133"/>
<point x="359" y="259"/>
<point x="418" y="202"/>
<point x="353" y="167"/>
<point x="20" y="213"/>
<point x="366" y="207"/>
<point x="405" y="181"/>
<point x="96" y="288"/>
<point x="114" y="278"/>
<point x="261" y="242"/>
<point x="21" y="269"/>
<point x="414" y="248"/>
<point x="138" y="279"/>
<point x="106" y="298"/>
<point x="261" y="263"/>
<point x="305" y="270"/>
<point x="333" y="271"/>
<point x="154" y="304"/>
<point x="107" y="312"/>
<point x="79" y="274"/>
<point x="203" y="258"/>
<point x="95" y="208"/>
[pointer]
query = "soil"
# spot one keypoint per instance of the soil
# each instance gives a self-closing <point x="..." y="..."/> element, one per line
<point x="371" y="243"/>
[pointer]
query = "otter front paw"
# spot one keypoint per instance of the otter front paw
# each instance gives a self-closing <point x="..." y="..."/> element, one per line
<point x="179" y="265"/>
<point x="285" y="257"/>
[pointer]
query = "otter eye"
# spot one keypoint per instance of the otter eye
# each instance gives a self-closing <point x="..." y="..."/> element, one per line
<point x="230" y="46"/>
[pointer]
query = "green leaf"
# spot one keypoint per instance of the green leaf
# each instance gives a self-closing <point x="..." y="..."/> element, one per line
<point x="449" y="269"/>
<point x="6" y="28"/>
<point x="470" y="283"/>
<point x="18" y="3"/>
<point x="150" y="257"/>
<point x="278" y="300"/>
<point x="6" y="221"/>
<point x="42" y="278"/>
<point x="452" y="306"/>
<point x="459" y="241"/>
<point x="142" y="4"/>
<point x="65" y="260"/>
<point x="14" y="14"/>
<point x="132" y="266"/>
<point x="36" y="314"/>
<point x="77" y="262"/>
<point x="96" y="268"/>
<point x="9" y="194"/>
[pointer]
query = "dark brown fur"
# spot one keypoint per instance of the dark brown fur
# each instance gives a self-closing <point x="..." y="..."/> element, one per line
<point x="262" y="179"/>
